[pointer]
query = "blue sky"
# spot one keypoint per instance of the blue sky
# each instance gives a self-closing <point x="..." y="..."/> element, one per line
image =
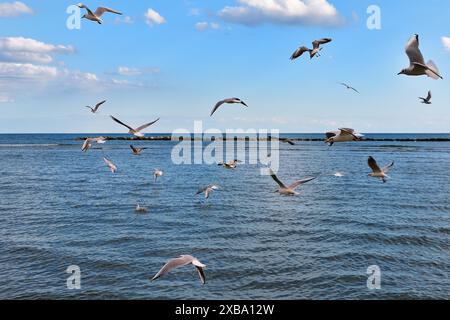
<point x="203" y="51"/>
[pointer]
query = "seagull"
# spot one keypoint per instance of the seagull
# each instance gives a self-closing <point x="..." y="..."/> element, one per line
<point x="417" y="65"/>
<point x="229" y="101"/>
<point x="377" y="172"/>
<point x="338" y="174"/>
<point x="181" y="262"/>
<point x="136" y="151"/>
<point x="95" y="16"/>
<point x="207" y="190"/>
<point x="140" y="209"/>
<point x="312" y="52"/>
<point x="286" y="140"/>
<point x="426" y="100"/>
<point x="136" y="132"/>
<point x="343" y="135"/>
<point x="230" y="165"/>
<point x="88" y="143"/>
<point x="111" y="165"/>
<point x="157" y="173"/>
<point x="349" y="87"/>
<point x="290" y="190"/>
<point x="95" y="109"/>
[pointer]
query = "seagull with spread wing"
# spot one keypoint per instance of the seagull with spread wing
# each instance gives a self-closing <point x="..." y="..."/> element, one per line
<point x="207" y="190"/>
<point x="228" y="101"/>
<point x="182" y="261"/>
<point x="380" y="173"/>
<point x="288" y="141"/>
<point x="96" y="16"/>
<point x="157" y="173"/>
<point x="230" y="165"/>
<point x="426" y="100"/>
<point x="343" y="135"/>
<point x="97" y="106"/>
<point x="136" y="132"/>
<point x="349" y="87"/>
<point x="136" y="151"/>
<point x="110" y="165"/>
<point x="289" y="190"/>
<point x="417" y="66"/>
<point x="312" y="52"/>
<point x="88" y="143"/>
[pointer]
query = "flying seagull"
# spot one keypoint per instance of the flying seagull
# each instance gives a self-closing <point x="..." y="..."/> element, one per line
<point x="157" y="173"/>
<point x="426" y="100"/>
<point x="377" y="172"/>
<point x="229" y="101"/>
<point x="286" y="140"/>
<point x="136" y="132"/>
<point x="95" y="109"/>
<point x="182" y="261"/>
<point x="207" y="190"/>
<point x="312" y="52"/>
<point x="417" y="65"/>
<point x="136" y="151"/>
<point x="289" y="190"/>
<point x="230" y="165"/>
<point x="88" y="143"/>
<point x="111" y="165"/>
<point x="95" y="16"/>
<point x="349" y="87"/>
<point x="343" y="135"/>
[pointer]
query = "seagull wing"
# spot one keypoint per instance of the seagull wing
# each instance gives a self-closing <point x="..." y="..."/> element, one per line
<point x="218" y="104"/>
<point x="388" y="167"/>
<point x="82" y="6"/>
<point x="274" y="177"/>
<point x="101" y="10"/>
<point x="298" y="183"/>
<point x="316" y="44"/>
<point x="429" y="71"/>
<point x="134" y="149"/>
<point x="86" y="145"/>
<point x="172" y="264"/>
<point x="347" y="131"/>
<point x="299" y="52"/>
<point x="146" y="125"/>
<point x="120" y="122"/>
<point x="98" y="105"/>
<point x="429" y="96"/>
<point x="373" y="165"/>
<point x="331" y="134"/>
<point x="201" y="274"/>
<point x="413" y="52"/>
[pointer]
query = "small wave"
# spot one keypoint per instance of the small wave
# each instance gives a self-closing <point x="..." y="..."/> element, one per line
<point x="32" y="145"/>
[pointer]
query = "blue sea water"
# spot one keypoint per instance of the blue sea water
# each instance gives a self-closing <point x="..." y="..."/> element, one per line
<point x="61" y="207"/>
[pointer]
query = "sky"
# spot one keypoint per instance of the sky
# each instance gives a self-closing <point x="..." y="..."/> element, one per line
<point x="174" y="59"/>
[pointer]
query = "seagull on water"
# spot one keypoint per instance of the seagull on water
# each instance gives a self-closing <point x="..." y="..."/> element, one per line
<point x="182" y="261"/>
<point x="349" y="87"/>
<point x="229" y="101"/>
<point x="110" y="165"/>
<point x="207" y="190"/>
<point x="136" y="132"/>
<point x="377" y="171"/>
<point x="426" y="100"/>
<point x="140" y="209"/>
<point x="343" y="135"/>
<point x="88" y="143"/>
<point x="289" y="190"/>
<point x="95" y="16"/>
<point x="230" y="165"/>
<point x="157" y="173"/>
<point x="417" y="65"/>
<point x="136" y="151"/>
<point x="312" y="52"/>
<point x="95" y="109"/>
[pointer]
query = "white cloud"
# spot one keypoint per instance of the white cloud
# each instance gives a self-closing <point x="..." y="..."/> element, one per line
<point x="202" y="26"/>
<point x="130" y="72"/>
<point x="152" y="17"/>
<point x="293" y="12"/>
<point x="446" y="43"/>
<point x="26" y="71"/>
<point x="21" y="49"/>
<point x="14" y="9"/>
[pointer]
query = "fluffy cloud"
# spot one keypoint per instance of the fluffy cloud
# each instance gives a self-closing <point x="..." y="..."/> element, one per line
<point x="446" y="43"/>
<point x="130" y="72"/>
<point x="293" y="12"/>
<point x="202" y="26"/>
<point x="14" y="9"/>
<point x="152" y="17"/>
<point x="19" y="49"/>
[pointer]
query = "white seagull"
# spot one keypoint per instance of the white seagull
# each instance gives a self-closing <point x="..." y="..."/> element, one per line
<point x="417" y="65"/>
<point x="110" y="165"/>
<point x="140" y="209"/>
<point x="312" y="52"/>
<point x="182" y="261"/>
<point x="88" y="143"/>
<point x="230" y="165"/>
<point x="289" y="190"/>
<point x="157" y="173"/>
<point x="377" y="171"/>
<point x="229" y="101"/>
<point x="136" y="132"/>
<point x="349" y="87"/>
<point x="343" y="135"/>
<point x="207" y="190"/>
<point x="95" y="109"/>
<point x="95" y="16"/>
<point x="426" y="100"/>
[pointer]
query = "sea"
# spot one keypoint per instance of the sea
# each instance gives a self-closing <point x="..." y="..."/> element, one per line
<point x="341" y="238"/>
